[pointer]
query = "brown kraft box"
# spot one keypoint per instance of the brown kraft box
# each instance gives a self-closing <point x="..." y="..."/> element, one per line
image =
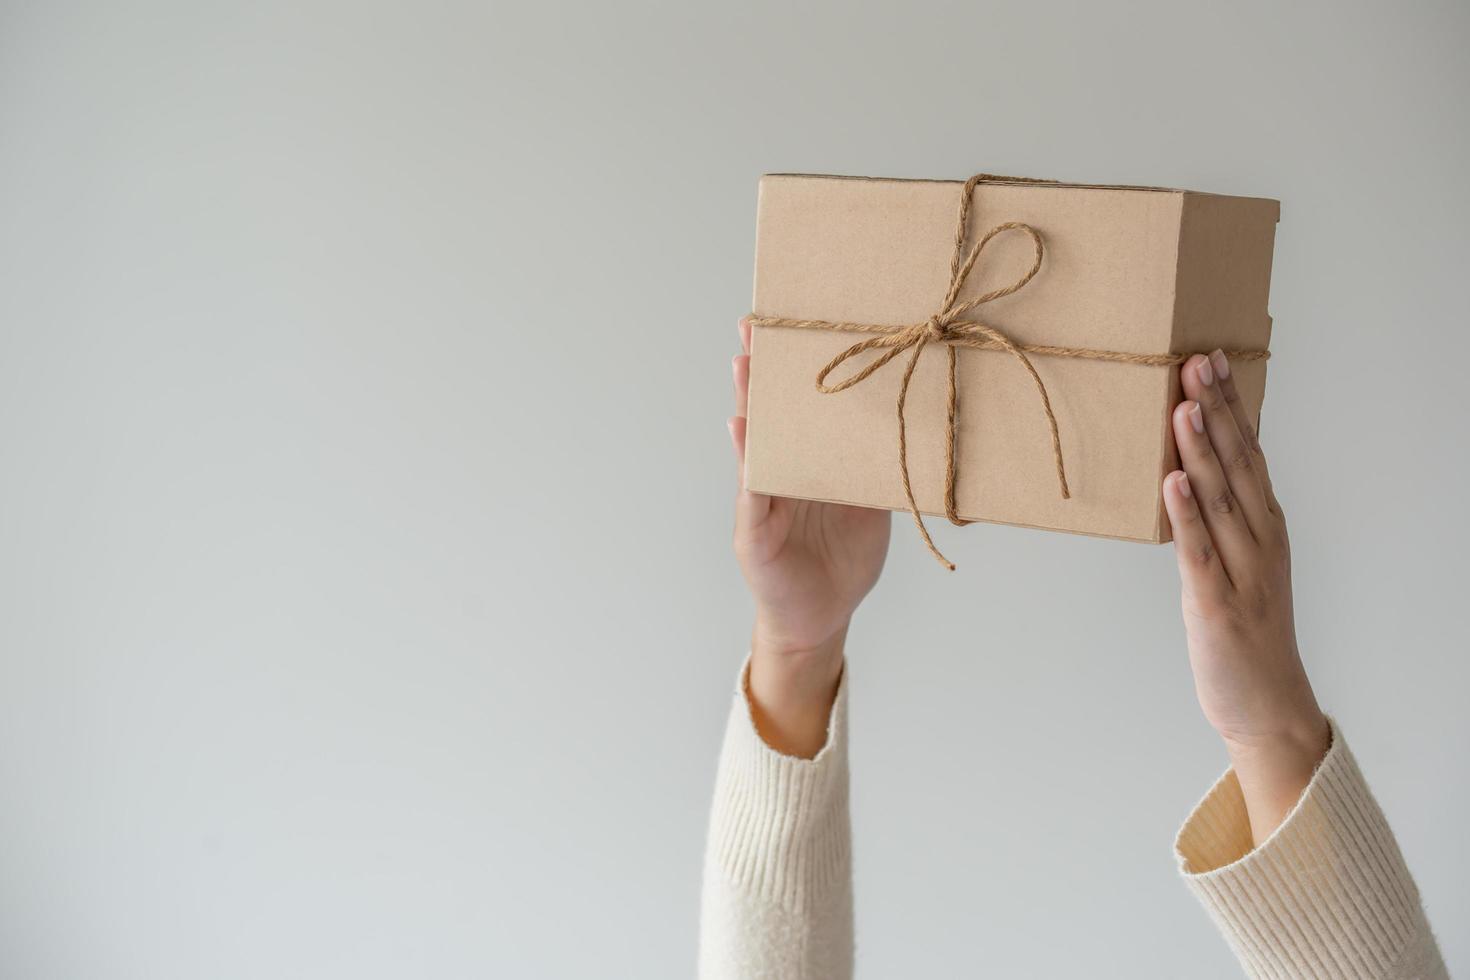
<point x="1125" y="269"/>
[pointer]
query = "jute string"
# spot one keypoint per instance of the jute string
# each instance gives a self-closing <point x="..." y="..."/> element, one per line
<point x="949" y="328"/>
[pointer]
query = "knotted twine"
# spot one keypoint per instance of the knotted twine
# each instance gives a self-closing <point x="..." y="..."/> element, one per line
<point x="948" y="327"/>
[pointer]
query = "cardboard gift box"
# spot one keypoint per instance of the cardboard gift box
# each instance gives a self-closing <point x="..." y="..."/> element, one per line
<point x="1103" y="289"/>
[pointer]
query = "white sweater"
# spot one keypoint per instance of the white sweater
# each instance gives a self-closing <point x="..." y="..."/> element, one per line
<point x="1326" y="896"/>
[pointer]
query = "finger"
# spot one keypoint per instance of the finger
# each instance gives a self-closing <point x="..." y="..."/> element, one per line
<point x="745" y="335"/>
<point x="1200" y="571"/>
<point x="1235" y="455"/>
<point x="741" y="369"/>
<point x="1221" y="365"/>
<point x="1216" y="501"/>
<point x="750" y="508"/>
<point x="736" y="425"/>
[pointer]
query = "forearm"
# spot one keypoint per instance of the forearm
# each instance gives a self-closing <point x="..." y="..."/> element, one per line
<point x="792" y="690"/>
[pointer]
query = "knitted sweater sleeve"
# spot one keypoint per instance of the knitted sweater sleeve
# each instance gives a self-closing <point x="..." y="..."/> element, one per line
<point x="1326" y="895"/>
<point x="777" y="901"/>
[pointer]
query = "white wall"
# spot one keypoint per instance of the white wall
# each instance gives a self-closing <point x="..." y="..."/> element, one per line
<point x="365" y="600"/>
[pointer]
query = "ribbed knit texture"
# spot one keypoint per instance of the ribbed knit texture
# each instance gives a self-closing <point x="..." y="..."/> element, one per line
<point x="778" y="869"/>
<point x="1327" y="895"/>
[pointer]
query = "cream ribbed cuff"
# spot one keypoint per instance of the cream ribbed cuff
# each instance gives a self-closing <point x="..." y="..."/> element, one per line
<point x="779" y="827"/>
<point x="1327" y="895"/>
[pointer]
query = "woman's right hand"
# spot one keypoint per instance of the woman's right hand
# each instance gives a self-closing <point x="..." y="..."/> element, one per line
<point x="808" y="565"/>
<point x="1235" y="567"/>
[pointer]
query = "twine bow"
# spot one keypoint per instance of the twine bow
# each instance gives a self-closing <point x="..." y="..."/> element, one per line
<point x="948" y="327"/>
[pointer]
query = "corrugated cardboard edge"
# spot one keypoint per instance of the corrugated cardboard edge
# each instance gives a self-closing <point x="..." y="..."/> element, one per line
<point x="944" y="180"/>
<point x="750" y="398"/>
<point x="1175" y="388"/>
<point x="1163" y="533"/>
<point x="979" y="520"/>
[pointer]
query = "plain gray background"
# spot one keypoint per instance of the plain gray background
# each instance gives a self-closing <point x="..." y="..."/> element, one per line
<point x="366" y="607"/>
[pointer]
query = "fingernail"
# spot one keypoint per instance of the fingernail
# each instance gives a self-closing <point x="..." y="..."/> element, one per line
<point x="1221" y="364"/>
<point x="1206" y="376"/>
<point x="1197" y="418"/>
<point x="1183" y="484"/>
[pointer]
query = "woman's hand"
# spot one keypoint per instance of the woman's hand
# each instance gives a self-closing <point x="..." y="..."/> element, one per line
<point x="808" y="566"/>
<point x="1230" y="539"/>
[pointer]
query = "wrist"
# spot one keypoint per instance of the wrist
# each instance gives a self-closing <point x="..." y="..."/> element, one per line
<point x="1303" y="735"/>
<point x="794" y="672"/>
<point x="791" y="688"/>
<point x="797" y="652"/>
<point x="1274" y="769"/>
<point x="796" y="648"/>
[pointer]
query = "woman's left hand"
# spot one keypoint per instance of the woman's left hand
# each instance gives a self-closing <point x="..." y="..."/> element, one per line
<point x="1235" y="566"/>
